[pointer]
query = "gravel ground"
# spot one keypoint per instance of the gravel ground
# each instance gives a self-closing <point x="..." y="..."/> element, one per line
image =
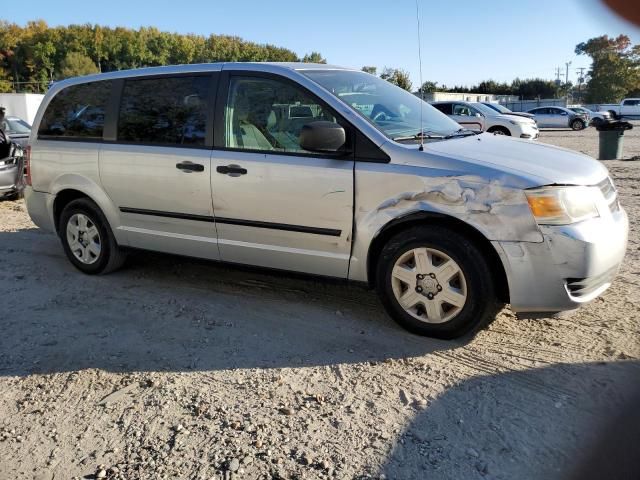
<point x="175" y="368"/>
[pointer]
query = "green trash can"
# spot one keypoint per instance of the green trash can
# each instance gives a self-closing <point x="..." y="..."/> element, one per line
<point x="611" y="139"/>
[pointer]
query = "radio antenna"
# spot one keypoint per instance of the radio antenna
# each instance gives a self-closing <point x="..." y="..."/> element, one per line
<point x="421" y="84"/>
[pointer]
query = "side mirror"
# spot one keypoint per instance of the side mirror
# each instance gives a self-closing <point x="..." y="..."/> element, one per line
<point x="478" y="114"/>
<point x="322" y="136"/>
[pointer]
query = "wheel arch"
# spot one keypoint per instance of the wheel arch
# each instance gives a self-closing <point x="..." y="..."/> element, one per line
<point x="501" y="128"/>
<point x="71" y="187"/>
<point x="432" y="218"/>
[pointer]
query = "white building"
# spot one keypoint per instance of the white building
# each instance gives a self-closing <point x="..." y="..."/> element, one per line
<point x="21" y="105"/>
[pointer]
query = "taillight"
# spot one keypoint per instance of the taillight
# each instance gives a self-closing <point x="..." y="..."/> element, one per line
<point x="27" y="165"/>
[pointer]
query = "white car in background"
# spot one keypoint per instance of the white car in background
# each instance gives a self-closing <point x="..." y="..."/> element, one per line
<point x="629" y="108"/>
<point x="595" y="118"/>
<point x="479" y="117"/>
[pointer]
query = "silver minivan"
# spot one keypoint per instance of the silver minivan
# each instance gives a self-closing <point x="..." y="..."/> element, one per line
<point x="327" y="171"/>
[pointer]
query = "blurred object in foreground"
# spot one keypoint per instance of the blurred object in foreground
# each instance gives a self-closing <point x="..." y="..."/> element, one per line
<point x="627" y="9"/>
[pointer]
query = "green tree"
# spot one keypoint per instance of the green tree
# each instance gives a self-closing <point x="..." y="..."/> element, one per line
<point x="76" y="64"/>
<point x="615" y="68"/>
<point x="313" y="57"/>
<point x="371" y="70"/>
<point x="397" y="76"/>
<point x="428" y="87"/>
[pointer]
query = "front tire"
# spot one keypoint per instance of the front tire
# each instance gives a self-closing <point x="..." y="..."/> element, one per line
<point x="577" y="124"/>
<point x="87" y="238"/>
<point x="499" y="131"/>
<point x="435" y="282"/>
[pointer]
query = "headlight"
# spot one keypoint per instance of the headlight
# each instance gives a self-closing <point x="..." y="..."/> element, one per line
<point x="563" y="205"/>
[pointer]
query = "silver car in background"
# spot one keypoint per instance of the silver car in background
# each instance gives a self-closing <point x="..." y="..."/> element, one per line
<point x="477" y="116"/>
<point x="594" y="118"/>
<point x="17" y="129"/>
<point x="327" y="171"/>
<point x="559" y="117"/>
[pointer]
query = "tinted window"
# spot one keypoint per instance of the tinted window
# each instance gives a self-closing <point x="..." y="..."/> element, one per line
<point x="462" y="110"/>
<point x="631" y="102"/>
<point x="444" y="108"/>
<point x="169" y="110"/>
<point x="76" y="112"/>
<point x="267" y="114"/>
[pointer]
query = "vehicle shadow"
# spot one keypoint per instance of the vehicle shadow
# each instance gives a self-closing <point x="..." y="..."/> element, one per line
<point x="567" y="421"/>
<point x="167" y="313"/>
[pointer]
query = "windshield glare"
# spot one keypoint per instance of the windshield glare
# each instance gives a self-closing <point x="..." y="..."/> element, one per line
<point x="392" y="110"/>
<point x="14" y="125"/>
<point x="500" y="108"/>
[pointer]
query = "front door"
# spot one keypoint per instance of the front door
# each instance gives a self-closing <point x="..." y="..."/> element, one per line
<point x="468" y="117"/>
<point x="157" y="171"/>
<point x="277" y="205"/>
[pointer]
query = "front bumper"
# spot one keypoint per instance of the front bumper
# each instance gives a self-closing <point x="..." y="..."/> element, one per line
<point x="530" y="132"/>
<point x="572" y="266"/>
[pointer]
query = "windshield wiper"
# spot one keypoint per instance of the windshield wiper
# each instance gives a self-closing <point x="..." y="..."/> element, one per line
<point x="418" y="136"/>
<point x="463" y="132"/>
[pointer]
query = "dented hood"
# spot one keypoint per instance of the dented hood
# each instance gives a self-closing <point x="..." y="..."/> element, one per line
<point x="537" y="162"/>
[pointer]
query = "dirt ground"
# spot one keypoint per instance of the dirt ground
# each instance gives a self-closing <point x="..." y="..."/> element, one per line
<point x="175" y="368"/>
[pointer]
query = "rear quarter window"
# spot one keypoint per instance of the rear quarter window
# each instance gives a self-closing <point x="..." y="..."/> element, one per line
<point x="77" y="112"/>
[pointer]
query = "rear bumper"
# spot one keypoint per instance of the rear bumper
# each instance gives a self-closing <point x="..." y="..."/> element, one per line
<point x="40" y="208"/>
<point x="572" y="266"/>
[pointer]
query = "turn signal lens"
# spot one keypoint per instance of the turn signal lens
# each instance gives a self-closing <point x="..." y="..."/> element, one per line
<point x="545" y="207"/>
<point x="557" y="205"/>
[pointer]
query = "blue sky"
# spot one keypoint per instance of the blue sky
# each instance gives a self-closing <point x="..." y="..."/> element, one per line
<point x="463" y="41"/>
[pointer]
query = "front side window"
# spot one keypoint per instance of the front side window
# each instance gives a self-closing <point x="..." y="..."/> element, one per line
<point x="462" y="110"/>
<point x="267" y="114"/>
<point x="164" y="111"/>
<point x="76" y="112"/>
<point x="631" y="103"/>
<point x="398" y="114"/>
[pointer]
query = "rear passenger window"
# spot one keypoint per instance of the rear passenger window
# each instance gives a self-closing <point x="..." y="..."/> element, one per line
<point x="445" y="108"/>
<point x="76" y="112"/>
<point x="166" y="111"/>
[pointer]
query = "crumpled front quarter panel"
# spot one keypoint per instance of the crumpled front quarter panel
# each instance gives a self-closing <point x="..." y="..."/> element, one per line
<point x="489" y="203"/>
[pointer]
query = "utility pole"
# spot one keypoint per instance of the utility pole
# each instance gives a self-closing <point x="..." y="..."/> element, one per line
<point x="566" y="80"/>
<point x="580" y="81"/>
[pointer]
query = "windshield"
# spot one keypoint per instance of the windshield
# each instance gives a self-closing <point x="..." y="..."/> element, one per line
<point x="499" y="108"/>
<point x="392" y="110"/>
<point x="15" y="125"/>
<point x="484" y="109"/>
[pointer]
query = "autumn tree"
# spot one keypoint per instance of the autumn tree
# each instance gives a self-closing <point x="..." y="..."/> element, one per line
<point x="397" y="76"/>
<point x="615" y="68"/>
<point x="34" y="54"/>
<point x="369" y="69"/>
<point x="76" y="64"/>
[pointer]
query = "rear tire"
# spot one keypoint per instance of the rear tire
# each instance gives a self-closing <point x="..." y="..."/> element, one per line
<point x="577" y="124"/>
<point x="87" y="238"/>
<point x="435" y="282"/>
<point x="499" y="131"/>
